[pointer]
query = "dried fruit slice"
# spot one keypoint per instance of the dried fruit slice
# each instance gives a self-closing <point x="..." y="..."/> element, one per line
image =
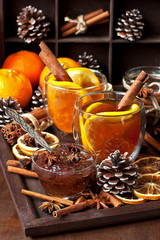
<point x="18" y="152"/>
<point x="83" y="77"/>
<point x="130" y="199"/>
<point x="148" y="187"/>
<point x="148" y="165"/>
<point x="29" y="150"/>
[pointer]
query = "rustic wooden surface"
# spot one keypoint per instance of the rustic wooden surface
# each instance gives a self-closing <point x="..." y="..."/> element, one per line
<point x="10" y="227"/>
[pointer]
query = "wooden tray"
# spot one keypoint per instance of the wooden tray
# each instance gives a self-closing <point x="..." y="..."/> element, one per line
<point x="35" y="222"/>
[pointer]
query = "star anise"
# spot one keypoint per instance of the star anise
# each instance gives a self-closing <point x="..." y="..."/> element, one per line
<point x="27" y="163"/>
<point x="145" y="92"/>
<point x="74" y="157"/>
<point x="50" y="206"/>
<point x="100" y="200"/>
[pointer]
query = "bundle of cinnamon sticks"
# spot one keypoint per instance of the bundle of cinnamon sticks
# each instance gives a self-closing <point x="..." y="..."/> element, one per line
<point x="93" y="18"/>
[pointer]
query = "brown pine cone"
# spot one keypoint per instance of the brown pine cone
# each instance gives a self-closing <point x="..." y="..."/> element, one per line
<point x="130" y="25"/>
<point x="10" y="102"/>
<point x="88" y="61"/>
<point x="116" y="174"/>
<point x="37" y="99"/>
<point x="32" y="24"/>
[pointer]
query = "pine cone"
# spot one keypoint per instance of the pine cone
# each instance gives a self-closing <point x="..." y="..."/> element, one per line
<point x="88" y="61"/>
<point x="130" y="25"/>
<point x="37" y="100"/>
<point x="32" y="24"/>
<point x="10" y="102"/>
<point x="116" y="174"/>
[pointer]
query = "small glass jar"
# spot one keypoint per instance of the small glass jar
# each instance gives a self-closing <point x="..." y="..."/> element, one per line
<point x="152" y="82"/>
<point x="66" y="171"/>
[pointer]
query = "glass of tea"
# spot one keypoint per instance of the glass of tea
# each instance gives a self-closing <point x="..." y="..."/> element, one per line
<point x="61" y="97"/>
<point x="98" y="125"/>
<point x="66" y="171"/>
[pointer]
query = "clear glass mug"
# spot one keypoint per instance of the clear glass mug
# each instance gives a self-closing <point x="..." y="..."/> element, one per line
<point x="60" y="102"/>
<point x="96" y="125"/>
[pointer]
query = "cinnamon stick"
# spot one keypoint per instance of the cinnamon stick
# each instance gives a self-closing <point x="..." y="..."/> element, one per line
<point x="52" y="63"/>
<point x="86" y="17"/>
<point x="46" y="197"/>
<point x="14" y="163"/>
<point x="113" y="200"/>
<point x="22" y="171"/>
<point x="75" y="208"/>
<point x="89" y="22"/>
<point x="153" y="142"/>
<point x="132" y="92"/>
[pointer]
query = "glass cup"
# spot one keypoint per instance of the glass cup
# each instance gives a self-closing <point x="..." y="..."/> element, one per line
<point x="60" y="102"/>
<point x="98" y="126"/>
<point x="66" y="171"/>
<point x="153" y="81"/>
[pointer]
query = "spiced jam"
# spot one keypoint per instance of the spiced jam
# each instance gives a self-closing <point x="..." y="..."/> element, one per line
<point x="65" y="171"/>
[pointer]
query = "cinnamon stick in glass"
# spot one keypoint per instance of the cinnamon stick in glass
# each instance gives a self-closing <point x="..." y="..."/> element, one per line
<point x="86" y="17"/>
<point x="52" y="63"/>
<point x="132" y="92"/>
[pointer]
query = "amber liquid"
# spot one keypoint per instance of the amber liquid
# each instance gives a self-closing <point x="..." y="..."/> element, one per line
<point x="61" y="104"/>
<point x="107" y="134"/>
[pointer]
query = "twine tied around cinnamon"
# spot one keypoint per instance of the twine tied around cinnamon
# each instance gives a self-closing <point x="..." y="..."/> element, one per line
<point x="37" y="126"/>
<point x="81" y="24"/>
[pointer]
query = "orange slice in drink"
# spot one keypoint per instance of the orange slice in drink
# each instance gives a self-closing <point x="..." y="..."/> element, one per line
<point x="130" y="199"/>
<point x="148" y="187"/>
<point x="83" y="77"/>
<point x="99" y="107"/>
<point x="64" y="84"/>
<point x="105" y="132"/>
<point x="148" y="165"/>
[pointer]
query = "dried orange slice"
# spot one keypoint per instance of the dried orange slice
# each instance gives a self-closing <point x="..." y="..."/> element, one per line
<point x="130" y="199"/>
<point x="148" y="165"/>
<point x="83" y="77"/>
<point x="148" y="187"/>
<point x="29" y="150"/>
<point x="18" y="152"/>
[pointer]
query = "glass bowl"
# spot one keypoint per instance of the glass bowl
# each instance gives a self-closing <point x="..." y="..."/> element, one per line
<point x="66" y="171"/>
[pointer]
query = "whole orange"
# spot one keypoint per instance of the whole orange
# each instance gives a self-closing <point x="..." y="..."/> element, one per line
<point x="16" y="85"/>
<point x="26" y="62"/>
<point x="64" y="61"/>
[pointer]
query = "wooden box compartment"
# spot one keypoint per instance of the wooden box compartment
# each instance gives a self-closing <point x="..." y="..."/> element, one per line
<point x="115" y="55"/>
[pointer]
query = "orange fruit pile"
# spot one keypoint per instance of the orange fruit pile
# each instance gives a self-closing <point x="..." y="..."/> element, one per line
<point x="64" y="61"/>
<point x="26" y="62"/>
<point x="16" y="85"/>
